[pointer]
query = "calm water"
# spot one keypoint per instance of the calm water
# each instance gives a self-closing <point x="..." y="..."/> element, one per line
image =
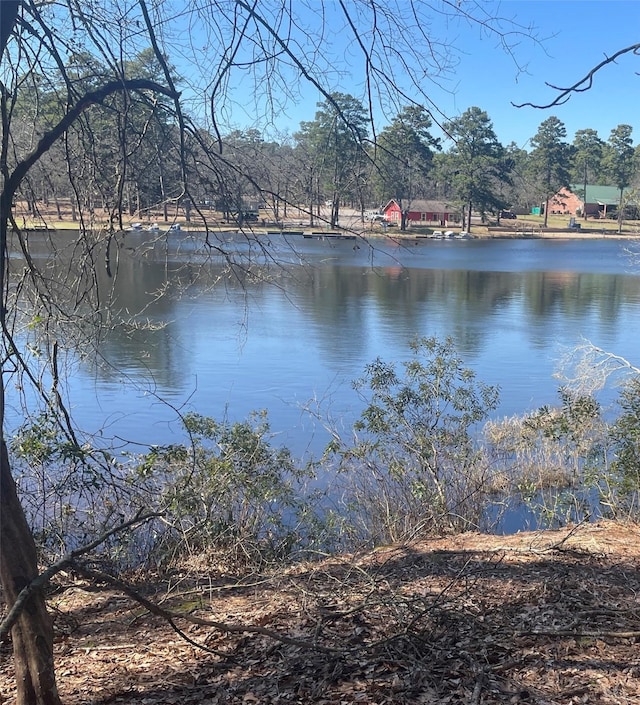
<point x="226" y="345"/>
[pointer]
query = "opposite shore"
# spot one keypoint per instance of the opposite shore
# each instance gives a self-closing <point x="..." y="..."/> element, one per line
<point x="350" y="223"/>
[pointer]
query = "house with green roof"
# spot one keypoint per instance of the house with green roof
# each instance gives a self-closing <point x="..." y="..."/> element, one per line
<point x="597" y="201"/>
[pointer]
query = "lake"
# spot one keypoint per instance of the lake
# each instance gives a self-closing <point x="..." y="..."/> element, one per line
<point x="223" y="342"/>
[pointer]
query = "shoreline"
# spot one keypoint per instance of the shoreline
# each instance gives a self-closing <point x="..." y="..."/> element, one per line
<point x="294" y="228"/>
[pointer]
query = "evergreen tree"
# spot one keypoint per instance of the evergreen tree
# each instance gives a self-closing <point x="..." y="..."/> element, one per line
<point x="335" y="143"/>
<point x="475" y="165"/>
<point x="549" y="160"/>
<point x="619" y="163"/>
<point x="404" y="158"/>
<point x="587" y="156"/>
<point x="517" y="189"/>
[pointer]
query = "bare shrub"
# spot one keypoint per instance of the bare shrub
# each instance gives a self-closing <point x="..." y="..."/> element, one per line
<point x="548" y="458"/>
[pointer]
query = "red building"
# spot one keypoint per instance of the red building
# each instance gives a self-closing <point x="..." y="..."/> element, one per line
<point x="427" y="212"/>
<point x="600" y="201"/>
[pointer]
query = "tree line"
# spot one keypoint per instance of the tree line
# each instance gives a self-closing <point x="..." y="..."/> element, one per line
<point x="130" y="158"/>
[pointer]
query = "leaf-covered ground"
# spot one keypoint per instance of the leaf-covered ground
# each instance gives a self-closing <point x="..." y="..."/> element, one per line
<point x="549" y="617"/>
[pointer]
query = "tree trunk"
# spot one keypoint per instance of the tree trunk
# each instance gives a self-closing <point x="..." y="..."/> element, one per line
<point x="165" y="210"/>
<point x="621" y="211"/>
<point x="32" y="634"/>
<point x="546" y="212"/>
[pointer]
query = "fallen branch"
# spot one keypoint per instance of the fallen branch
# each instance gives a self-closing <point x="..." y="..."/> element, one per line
<point x="41" y="580"/>
<point x="584" y="635"/>
<point x="558" y="546"/>
<point x="170" y="616"/>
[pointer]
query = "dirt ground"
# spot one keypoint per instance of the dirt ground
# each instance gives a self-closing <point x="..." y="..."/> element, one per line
<point x="546" y="618"/>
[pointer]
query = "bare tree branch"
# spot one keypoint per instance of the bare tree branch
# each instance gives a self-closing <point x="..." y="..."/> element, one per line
<point x="588" y="368"/>
<point x="89" y="99"/>
<point x="584" y="84"/>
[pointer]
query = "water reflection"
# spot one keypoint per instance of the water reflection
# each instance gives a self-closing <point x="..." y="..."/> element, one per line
<point x="241" y="323"/>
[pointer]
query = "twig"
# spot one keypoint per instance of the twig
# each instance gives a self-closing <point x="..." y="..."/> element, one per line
<point x="558" y="545"/>
<point x="477" y="690"/>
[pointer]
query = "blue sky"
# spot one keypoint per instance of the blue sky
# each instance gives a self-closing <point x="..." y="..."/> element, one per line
<point x="575" y="35"/>
<point x="579" y="35"/>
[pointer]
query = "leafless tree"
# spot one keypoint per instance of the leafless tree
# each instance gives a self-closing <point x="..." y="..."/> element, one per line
<point x="239" y="58"/>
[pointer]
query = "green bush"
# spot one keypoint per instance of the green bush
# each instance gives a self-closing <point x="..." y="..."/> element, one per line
<point x="623" y="477"/>
<point x="416" y="464"/>
<point x="70" y="491"/>
<point x="413" y="467"/>
<point x="230" y="492"/>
